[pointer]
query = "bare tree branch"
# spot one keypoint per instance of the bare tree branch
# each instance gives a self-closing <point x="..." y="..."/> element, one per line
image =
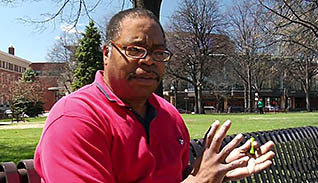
<point x="307" y="24"/>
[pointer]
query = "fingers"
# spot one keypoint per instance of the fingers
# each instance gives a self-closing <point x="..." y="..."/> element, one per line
<point x="218" y="138"/>
<point x="268" y="146"/>
<point x="231" y="146"/>
<point x="264" y="160"/>
<point x="211" y="133"/>
<point x="246" y="146"/>
<point x="262" y="166"/>
<point x="240" y="163"/>
<point x="269" y="155"/>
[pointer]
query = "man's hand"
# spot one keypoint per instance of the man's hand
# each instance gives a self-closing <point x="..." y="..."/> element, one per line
<point x="230" y="163"/>
<point x="256" y="162"/>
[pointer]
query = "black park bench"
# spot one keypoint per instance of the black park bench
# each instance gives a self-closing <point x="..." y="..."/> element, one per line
<point x="23" y="172"/>
<point x="296" y="159"/>
<point x="296" y="155"/>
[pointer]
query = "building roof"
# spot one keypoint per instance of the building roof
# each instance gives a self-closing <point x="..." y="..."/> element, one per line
<point x="48" y="62"/>
<point x="8" y="57"/>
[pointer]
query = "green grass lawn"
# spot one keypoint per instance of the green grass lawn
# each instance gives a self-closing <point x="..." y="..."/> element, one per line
<point x="37" y="119"/>
<point x="241" y="123"/>
<point x="19" y="144"/>
<point x="16" y="145"/>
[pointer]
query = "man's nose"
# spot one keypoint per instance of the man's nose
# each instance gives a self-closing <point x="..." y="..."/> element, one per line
<point x="148" y="60"/>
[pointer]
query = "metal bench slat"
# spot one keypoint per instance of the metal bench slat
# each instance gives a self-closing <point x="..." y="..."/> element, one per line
<point x="10" y="171"/>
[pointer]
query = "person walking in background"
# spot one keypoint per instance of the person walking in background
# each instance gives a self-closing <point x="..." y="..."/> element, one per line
<point x="117" y="130"/>
<point x="260" y="106"/>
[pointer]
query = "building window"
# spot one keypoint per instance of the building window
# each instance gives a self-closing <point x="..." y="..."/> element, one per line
<point x="15" y="68"/>
<point x="11" y="67"/>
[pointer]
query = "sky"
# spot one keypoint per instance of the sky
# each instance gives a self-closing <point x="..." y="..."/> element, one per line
<point x="32" y="42"/>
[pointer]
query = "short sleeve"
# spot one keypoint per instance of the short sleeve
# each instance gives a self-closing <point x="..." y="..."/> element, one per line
<point x="74" y="150"/>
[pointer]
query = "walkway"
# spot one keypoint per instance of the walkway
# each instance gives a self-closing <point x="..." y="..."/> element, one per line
<point x="20" y="125"/>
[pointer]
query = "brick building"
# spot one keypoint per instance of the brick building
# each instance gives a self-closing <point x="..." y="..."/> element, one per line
<point x="11" y="69"/>
<point x="49" y="74"/>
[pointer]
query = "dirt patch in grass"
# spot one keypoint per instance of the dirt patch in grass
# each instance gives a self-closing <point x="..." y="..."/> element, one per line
<point x="21" y="125"/>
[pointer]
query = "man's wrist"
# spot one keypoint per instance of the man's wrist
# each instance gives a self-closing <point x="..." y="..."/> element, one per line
<point x="190" y="179"/>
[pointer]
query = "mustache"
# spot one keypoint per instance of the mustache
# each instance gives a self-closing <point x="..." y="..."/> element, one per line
<point x="145" y="73"/>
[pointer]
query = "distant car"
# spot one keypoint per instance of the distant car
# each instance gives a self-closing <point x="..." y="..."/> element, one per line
<point x="8" y="113"/>
<point x="209" y="109"/>
<point x="270" y="108"/>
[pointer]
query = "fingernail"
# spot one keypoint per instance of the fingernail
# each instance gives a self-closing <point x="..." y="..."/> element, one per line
<point x="246" y="158"/>
<point x="227" y="122"/>
<point x="239" y="136"/>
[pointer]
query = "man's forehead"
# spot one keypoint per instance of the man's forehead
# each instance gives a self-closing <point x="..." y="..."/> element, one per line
<point x="140" y="30"/>
<point x="143" y="21"/>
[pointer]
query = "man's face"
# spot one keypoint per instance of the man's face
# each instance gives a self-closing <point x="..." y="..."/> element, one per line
<point x="131" y="78"/>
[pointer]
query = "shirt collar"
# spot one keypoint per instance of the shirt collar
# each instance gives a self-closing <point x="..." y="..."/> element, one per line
<point x="101" y="85"/>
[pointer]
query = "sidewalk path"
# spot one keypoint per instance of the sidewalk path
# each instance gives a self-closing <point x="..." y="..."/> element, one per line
<point x="20" y="125"/>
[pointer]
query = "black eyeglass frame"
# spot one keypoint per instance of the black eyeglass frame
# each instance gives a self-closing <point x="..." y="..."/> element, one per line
<point x="146" y="51"/>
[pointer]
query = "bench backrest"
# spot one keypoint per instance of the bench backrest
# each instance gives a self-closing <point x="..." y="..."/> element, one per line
<point x="24" y="172"/>
<point x="296" y="158"/>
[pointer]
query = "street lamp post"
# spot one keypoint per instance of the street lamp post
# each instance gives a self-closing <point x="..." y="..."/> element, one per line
<point x="174" y="90"/>
<point x="186" y="98"/>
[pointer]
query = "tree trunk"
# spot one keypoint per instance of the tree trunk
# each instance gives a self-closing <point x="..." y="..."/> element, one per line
<point x="284" y="101"/>
<point x="249" y="89"/>
<point x="245" y="97"/>
<point x="308" y="107"/>
<point x="200" y="110"/>
<point x="307" y="89"/>
<point x="153" y="6"/>
<point x="196" y="99"/>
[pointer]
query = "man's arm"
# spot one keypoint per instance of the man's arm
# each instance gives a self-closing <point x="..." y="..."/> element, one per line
<point x="74" y="150"/>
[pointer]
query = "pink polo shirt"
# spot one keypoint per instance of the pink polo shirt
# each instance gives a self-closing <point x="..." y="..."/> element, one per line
<point x="91" y="136"/>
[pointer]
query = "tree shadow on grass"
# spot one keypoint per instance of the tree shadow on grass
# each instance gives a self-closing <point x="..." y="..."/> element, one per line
<point x="16" y="153"/>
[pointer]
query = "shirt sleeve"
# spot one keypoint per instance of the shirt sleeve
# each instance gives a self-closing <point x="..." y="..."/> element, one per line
<point x="74" y="150"/>
<point x="185" y="157"/>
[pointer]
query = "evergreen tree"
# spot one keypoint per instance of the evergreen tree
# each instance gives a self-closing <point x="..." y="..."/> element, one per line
<point x="89" y="57"/>
<point x="29" y="76"/>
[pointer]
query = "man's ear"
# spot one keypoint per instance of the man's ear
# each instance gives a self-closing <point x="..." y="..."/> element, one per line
<point x="106" y="54"/>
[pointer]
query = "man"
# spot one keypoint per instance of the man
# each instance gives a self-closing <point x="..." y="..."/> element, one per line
<point x="117" y="130"/>
<point x="260" y="106"/>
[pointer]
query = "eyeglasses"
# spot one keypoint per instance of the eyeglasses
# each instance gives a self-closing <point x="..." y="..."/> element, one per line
<point x="137" y="52"/>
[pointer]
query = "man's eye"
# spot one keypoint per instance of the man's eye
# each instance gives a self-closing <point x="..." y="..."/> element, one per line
<point x="159" y="53"/>
<point x="135" y="51"/>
